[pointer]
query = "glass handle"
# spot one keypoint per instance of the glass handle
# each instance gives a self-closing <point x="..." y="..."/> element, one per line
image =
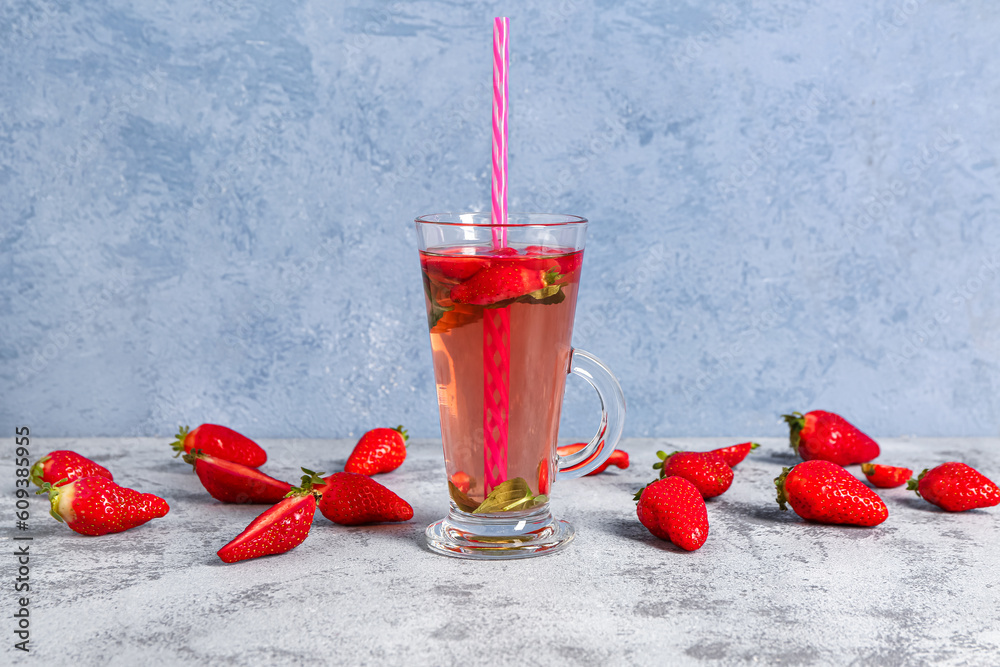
<point x="601" y="445"/>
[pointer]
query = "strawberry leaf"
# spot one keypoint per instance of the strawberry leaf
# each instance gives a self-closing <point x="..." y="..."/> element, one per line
<point x="178" y="443"/>
<point x="638" y="494"/>
<point x="779" y="485"/>
<point x="309" y="479"/>
<point x="796" y="422"/>
<point x="38" y="470"/>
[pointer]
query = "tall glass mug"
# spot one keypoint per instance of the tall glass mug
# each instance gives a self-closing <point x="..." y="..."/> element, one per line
<point x="500" y="305"/>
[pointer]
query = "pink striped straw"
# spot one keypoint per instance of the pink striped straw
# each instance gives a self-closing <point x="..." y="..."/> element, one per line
<point x="496" y="394"/>
<point x="501" y="63"/>
<point x="496" y="321"/>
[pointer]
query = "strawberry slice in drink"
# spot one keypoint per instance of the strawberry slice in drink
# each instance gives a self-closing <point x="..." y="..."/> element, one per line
<point x="454" y="268"/>
<point x="563" y="261"/>
<point x="500" y="281"/>
<point x="540" y="258"/>
<point x="570" y="263"/>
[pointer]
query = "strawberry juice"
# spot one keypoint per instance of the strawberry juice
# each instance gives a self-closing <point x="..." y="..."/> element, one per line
<point x="537" y="286"/>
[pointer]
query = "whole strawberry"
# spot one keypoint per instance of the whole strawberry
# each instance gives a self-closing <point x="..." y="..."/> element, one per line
<point x="63" y="465"/>
<point x="824" y="492"/>
<point x="733" y="454"/>
<point x="886" y="477"/>
<point x="956" y="487"/>
<point x="280" y="528"/>
<point x="231" y="482"/>
<point x="98" y="506"/>
<point x="706" y="470"/>
<point x="829" y="437"/>
<point x="379" y="450"/>
<point x="673" y="509"/>
<point x="220" y="442"/>
<point x="352" y="499"/>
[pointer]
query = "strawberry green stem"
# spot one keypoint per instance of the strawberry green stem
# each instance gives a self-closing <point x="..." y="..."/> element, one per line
<point x="402" y="431"/>
<point x="663" y="456"/>
<point x="309" y="479"/>
<point x="913" y="484"/>
<point x="38" y="470"/>
<point x="53" y="491"/>
<point x="178" y="444"/>
<point x="796" y="422"/>
<point x="779" y="484"/>
<point x="638" y="494"/>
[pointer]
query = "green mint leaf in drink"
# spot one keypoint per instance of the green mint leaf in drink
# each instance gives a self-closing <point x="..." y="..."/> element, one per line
<point x="510" y="494"/>
<point x="436" y="311"/>
<point x="545" y="292"/>
<point x="463" y="501"/>
<point x="435" y="314"/>
<point x="549" y="296"/>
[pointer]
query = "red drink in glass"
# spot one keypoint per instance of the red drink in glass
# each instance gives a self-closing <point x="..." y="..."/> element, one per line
<point x="537" y="286"/>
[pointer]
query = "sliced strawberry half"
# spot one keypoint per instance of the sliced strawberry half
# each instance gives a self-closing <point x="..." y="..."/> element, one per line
<point x="499" y="282"/>
<point x="279" y="529"/>
<point x="231" y="482"/>
<point x="733" y="454"/>
<point x="618" y="458"/>
<point x="886" y="477"/>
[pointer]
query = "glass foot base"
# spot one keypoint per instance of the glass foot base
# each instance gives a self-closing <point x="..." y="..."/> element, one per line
<point x="499" y="536"/>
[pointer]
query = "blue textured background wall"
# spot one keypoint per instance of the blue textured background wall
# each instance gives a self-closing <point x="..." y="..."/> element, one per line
<point x="206" y="207"/>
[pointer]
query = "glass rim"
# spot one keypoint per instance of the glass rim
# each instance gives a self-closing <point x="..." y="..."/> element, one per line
<point x="542" y="219"/>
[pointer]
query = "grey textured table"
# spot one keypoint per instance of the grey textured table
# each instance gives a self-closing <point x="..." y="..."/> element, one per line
<point x="767" y="587"/>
